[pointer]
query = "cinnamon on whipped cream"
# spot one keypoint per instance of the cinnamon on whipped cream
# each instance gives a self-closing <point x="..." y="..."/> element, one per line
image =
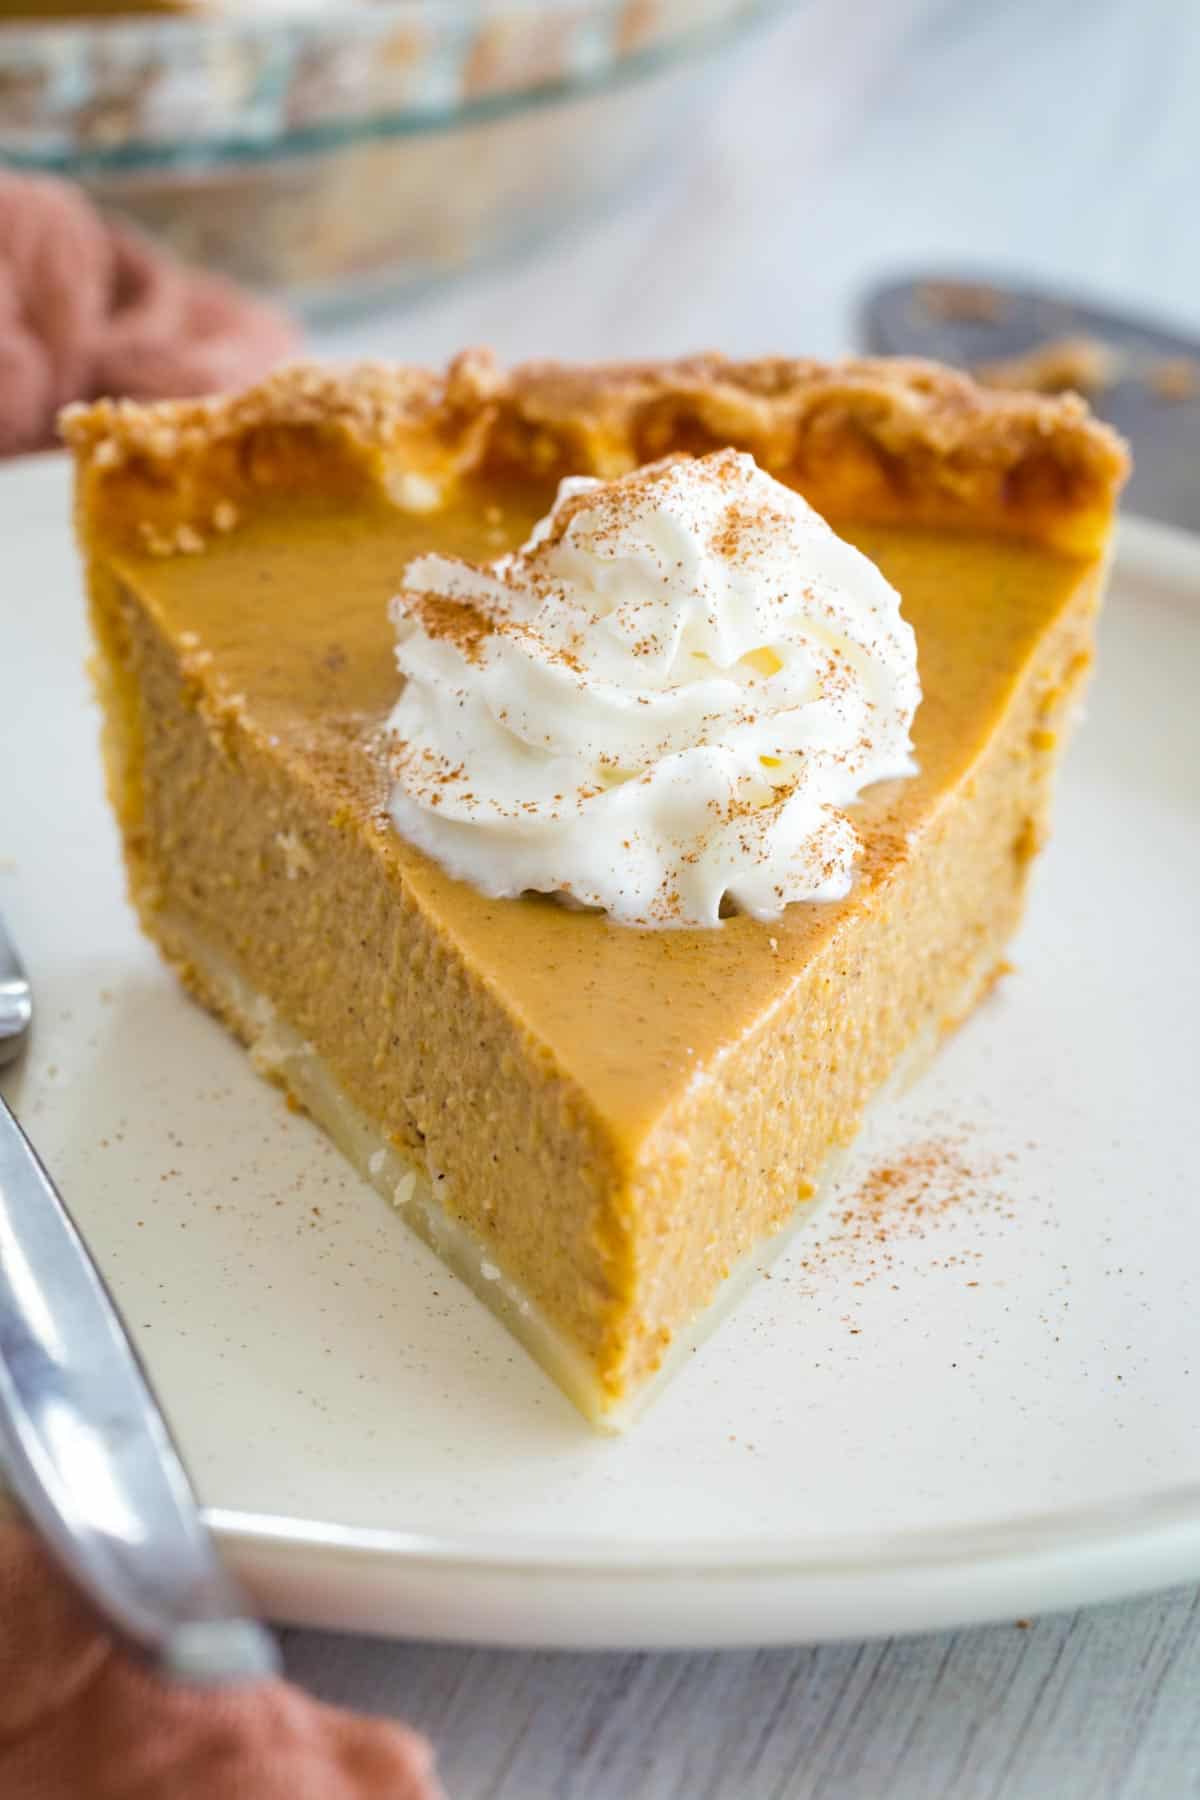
<point x="660" y="705"/>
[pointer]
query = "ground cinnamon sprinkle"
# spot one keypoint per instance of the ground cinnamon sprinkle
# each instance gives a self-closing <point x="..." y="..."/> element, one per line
<point x="455" y="621"/>
<point x="923" y="1183"/>
<point x="903" y="1199"/>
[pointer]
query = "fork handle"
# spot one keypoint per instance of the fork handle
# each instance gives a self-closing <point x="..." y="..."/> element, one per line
<point x="89" y="1454"/>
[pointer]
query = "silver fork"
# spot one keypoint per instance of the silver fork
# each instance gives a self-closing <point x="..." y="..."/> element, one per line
<point x="16" y="1002"/>
<point x="82" y="1439"/>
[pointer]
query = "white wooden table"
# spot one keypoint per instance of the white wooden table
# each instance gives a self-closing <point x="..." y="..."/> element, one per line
<point x="862" y="137"/>
<point x="1089" y="1706"/>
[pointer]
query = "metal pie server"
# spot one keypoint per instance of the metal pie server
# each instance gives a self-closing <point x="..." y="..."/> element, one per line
<point x="82" y="1440"/>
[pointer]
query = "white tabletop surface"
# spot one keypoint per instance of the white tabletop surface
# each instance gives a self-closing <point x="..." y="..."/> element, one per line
<point x="857" y="139"/>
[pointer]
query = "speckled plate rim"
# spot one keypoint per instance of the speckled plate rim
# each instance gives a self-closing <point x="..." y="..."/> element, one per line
<point x="1144" y="1515"/>
<point x="554" y="1596"/>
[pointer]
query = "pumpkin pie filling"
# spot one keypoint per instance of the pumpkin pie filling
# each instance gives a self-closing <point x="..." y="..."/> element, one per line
<point x="595" y="1124"/>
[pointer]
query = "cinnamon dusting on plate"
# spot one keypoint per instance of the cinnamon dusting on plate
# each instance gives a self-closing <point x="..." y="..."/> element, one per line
<point x="904" y="1198"/>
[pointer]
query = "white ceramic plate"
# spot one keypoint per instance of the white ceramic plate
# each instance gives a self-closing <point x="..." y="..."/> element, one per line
<point x="991" y="1412"/>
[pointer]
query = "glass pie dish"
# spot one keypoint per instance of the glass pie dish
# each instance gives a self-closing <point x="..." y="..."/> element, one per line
<point x="333" y="152"/>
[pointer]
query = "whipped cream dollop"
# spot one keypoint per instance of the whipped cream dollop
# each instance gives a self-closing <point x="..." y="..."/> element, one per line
<point x="659" y="705"/>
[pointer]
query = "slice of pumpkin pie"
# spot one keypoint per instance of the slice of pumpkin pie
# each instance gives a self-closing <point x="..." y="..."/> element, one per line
<point x="583" y="789"/>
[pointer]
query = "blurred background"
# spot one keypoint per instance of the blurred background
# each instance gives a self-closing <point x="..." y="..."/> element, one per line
<point x="594" y="178"/>
<point x="852" y="141"/>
